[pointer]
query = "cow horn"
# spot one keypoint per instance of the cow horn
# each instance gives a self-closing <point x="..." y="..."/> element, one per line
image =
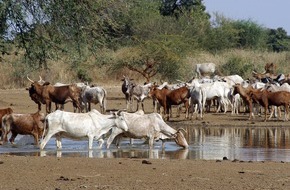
<point x="29" y="79"/>
<point x="119" y="112"/>
<point x="181" y="129"/>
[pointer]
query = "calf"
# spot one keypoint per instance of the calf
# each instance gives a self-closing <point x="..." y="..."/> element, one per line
<point x="149" y="126"/>
<point x="23" y="124"/>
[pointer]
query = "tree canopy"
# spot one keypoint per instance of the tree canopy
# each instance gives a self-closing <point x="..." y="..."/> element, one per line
<point x="150" y="37"/>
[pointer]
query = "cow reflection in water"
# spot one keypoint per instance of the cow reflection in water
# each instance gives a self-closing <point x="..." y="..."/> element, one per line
<point x="121" y="153"/>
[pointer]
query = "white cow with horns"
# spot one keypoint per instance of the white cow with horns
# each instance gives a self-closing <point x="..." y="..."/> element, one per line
<point x="91" y="125"/>
<point x="149" y="126"/>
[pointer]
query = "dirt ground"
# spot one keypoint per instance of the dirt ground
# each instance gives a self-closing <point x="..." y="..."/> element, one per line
<point x="28" y="172"/>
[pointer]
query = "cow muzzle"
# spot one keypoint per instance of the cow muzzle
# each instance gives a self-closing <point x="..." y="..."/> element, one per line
<point x="180" y="139"/>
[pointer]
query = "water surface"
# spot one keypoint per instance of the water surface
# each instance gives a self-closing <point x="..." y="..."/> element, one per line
<point x="209" y="143"/>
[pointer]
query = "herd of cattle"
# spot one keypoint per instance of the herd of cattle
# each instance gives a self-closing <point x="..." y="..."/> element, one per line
<point x="91" y="125"/>
<point x="197" y="95"/>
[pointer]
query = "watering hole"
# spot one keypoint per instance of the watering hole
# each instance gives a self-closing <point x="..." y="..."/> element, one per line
<point x="208" y="143"/>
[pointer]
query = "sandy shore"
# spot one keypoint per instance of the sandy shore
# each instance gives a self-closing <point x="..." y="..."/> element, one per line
<point x="20" y="172"/>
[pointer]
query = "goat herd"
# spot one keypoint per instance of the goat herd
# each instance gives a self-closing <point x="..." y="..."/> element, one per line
<point x="267" y="90"/>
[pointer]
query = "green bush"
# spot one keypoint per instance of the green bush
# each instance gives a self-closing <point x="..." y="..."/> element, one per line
<point x="84" y="76"/>
<point x="237" y="65"/>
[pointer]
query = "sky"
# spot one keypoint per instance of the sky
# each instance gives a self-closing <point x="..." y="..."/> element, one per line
<point x="267" y="13"/>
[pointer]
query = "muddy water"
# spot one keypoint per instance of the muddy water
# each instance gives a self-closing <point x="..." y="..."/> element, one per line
<point x="209" y="143"/>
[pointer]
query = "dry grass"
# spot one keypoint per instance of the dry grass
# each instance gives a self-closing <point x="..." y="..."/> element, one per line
<point x="13" y="72"/>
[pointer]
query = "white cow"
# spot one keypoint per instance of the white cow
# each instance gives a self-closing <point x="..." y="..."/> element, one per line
<point x="91" y="125"/>
<point x="196" y="98"/>
<point x="205" y="69"/>
<point x="149" y="126"/>
<point x="140" y="92"/>
<point x="230" y="79"/>
<point x="94" y="95"/>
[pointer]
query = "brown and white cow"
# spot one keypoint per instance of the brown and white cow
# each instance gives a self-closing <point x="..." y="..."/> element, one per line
<point x="2" y="113"/>
<point x="47" y="93"/>
<point x="23" y="124"/>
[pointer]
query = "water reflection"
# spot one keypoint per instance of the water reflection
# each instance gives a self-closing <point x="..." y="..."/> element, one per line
<point x="242" y="143"/>
<point x="256" y="137"/>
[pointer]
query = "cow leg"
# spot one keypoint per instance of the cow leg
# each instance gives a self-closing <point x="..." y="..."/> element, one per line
<point x="186" y="109"/>
<point x="46" y="139"/>
<point x="91" y="139"/>
<point x="167" y="113"/>
<point x="142" y="105"/>
<point x="12" y="138"/>
<point x="89" y="106"/>
<point x="58" y="141"/>
<point x="266" y="111"/>
<point x="163" y="144"/>
<point x="151" y="142"/>
<point x="35" y="136"/>
<point x="5" y="133"/>
<point x="39" y="106"/>
<point x="138" y="102"/>
<point x="286" y="112"/>
<point x="101" y="142"/>
<point x="115" y="133"/>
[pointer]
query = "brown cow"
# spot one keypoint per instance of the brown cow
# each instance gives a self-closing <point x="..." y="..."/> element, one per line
<point x="167" y="98"/>
<point x="58" y="94"/>
<point x="266" y="98"/>
<point x="2" y="113"/>
<point x="245" y="95"/>
<point x="24" y="124"/>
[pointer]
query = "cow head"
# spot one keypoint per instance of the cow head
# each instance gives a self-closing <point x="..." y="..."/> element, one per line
<point x="120" y="120"/>
<point x="180" y="139"/>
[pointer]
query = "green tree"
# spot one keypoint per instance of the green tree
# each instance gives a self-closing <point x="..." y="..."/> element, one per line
<point x="250" y="34"/>
<point x="278" y="40"/>
<point x="222" y="35"/>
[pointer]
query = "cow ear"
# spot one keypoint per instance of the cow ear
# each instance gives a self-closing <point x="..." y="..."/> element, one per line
<point x="46" y="83"/>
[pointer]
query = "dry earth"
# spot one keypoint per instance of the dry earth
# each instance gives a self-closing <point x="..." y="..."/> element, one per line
<point x="28" y="172"/>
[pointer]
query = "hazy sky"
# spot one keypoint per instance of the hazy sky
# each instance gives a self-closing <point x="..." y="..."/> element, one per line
<point x="268" y="13"/>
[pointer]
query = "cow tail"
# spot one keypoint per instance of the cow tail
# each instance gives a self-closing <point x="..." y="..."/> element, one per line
<point x="105" y="101"/>
<point x="45" y="125"/>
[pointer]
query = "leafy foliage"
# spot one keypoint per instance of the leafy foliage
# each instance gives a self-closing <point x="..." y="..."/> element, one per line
<point x="149" y="37"/>
<point x="278" y="40"/>
<point x="236" y="65"/>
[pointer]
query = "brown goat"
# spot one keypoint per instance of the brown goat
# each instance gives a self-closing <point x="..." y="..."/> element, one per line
<point x="266" y="98"/>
